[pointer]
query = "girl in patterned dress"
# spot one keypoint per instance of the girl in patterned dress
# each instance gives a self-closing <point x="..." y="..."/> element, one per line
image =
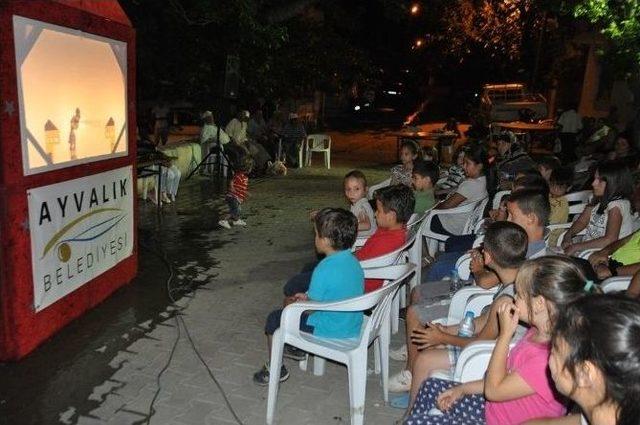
<point x="609" y="215"/>
<point x="517" y="386"/>
<point x="401" y="173"/>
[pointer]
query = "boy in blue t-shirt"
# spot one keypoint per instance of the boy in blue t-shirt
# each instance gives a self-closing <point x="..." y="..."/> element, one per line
<point x="338" y="276"/>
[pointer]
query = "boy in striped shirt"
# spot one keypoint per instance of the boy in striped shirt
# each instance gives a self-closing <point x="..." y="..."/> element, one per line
<point x="237" y="193"/>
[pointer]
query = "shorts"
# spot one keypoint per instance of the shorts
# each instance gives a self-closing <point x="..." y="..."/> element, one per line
<point x="273" y="322"/>
<point x="454" y="354"/>
<point x="433" y="301"/>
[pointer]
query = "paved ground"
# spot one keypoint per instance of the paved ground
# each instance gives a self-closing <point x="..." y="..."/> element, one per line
<point x="225" y="318"/>
<point x="104" y="367"/>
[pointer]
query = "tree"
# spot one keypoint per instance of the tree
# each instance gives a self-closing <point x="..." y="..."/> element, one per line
<point x="619" y="21"/>
<point x="286" y="47"/>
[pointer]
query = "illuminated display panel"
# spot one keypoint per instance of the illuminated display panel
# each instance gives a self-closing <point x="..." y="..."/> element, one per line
<point x="72" y="89"/>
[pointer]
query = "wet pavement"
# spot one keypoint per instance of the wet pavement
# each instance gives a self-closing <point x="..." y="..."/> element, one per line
<point x="104" y="367"/>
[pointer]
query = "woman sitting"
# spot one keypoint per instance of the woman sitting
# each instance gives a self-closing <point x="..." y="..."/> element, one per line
<point x="472" y="189"/>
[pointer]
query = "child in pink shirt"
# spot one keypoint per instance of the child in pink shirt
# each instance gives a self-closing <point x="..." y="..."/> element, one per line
<point x="517" y="386"/>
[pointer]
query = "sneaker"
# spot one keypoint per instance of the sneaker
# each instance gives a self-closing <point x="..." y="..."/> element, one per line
<point x="165" y="198"/>
<point x="399" y="354"/>
<point x="225" y="224"/>
<point x="400" y="382"/>
<point x="261" y="377"/>
<point x="294" y="353"/>
<point x="239" y="222"/>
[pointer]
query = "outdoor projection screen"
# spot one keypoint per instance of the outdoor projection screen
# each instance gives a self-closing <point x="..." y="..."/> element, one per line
<point x="72" y="96"/>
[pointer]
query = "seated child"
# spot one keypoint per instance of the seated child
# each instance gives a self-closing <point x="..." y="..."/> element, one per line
<point x="517" y="386"/>
<point x="608" y="217"/>
<point x="455" y="174"/>
<point x="595" y="359"/>
<point x="424" y="176"/>
<point x="394" y="206"/>
<point x="505" y="249"/>
<point x="338" y="276"/>
<point x="401" y="173"/>
<point x="559" y="183"/>
<point x="355" y="190"/>
<point x="546" y="165"/>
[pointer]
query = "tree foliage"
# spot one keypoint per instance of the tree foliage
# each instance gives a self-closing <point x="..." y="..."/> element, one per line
<point x="619" y="21"/>
<point x="286" y="47"/>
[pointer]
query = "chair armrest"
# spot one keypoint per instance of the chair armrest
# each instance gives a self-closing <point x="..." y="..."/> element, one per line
<point x="616" y="284"/>
<point x="473" y="361"/>
<point x="559" y="226"/>
<point x="478" y="302"/>
<point x="463" y="266"/>
<point x="587" y="253"/>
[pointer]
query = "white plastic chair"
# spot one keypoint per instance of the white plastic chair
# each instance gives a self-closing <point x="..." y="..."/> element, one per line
<point x="473" y="211"/>
<point x="372" y="189"/>
<point x="301" y="150"/>
<point x="463" y="266"/>
<point x="319" y="143"/>
<point x="472" y="364"/>
<point x="497" y="198"/>
<point x="403" y="254"/>
<point x="581" y="197"/>
<point x="351" y="352"/>
<point x="616" y="284"/>
<point x="461" y="299"/>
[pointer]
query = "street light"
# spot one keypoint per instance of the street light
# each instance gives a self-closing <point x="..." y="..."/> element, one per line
<point x="415" y="9"/>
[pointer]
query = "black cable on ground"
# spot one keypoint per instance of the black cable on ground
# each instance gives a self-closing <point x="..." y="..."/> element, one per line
<point x="179" y="319"/>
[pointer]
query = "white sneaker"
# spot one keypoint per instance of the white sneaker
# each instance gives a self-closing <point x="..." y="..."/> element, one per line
<point x="165" y="198"/>
<point x="225" y="224"/>
<point x="399" y="354"/>
<point x="400" y="382"/>
<point x="239" y="222"/>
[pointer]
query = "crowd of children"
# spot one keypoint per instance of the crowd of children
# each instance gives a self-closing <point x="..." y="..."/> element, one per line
<point x="563" y="353"/>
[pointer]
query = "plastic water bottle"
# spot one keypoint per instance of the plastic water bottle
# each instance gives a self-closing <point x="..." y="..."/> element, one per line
<point x="454" y="284"/>
<point x="467" y="327"/>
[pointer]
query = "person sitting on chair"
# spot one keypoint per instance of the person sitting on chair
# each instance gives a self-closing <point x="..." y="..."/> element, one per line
<point x="210" y="135"/>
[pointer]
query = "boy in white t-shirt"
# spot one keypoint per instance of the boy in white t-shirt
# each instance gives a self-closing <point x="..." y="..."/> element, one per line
<point x="355" y="190"/>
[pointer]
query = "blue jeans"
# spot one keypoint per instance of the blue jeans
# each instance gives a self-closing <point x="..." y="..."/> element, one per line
<point x="234" y="207"/>
<point x="444" y="264"/>
<point x="459" y="243"/>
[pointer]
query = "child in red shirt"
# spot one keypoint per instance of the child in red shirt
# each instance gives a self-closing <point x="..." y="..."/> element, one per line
<point x="394" y="206"/>
<point x="237" y="193"/>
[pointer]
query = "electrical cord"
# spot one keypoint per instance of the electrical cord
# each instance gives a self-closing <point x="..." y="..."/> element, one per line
<point x="180" y="320"/>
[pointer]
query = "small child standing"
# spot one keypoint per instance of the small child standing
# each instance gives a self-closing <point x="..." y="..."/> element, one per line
<point x="424" y="177"/>
<point x="237" y="193"/>
<point x="338" y="276"/>
<point x="355" y="190"/>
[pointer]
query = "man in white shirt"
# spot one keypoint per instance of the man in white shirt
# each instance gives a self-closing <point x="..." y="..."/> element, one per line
<point x="237" y="128"/>
<point x="570" y="123"/>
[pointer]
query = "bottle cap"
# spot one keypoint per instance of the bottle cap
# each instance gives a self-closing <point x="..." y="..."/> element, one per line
<point x="469" y="314"/>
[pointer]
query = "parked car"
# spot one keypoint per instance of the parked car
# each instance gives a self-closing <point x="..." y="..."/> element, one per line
<point x="506" y="102"/>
